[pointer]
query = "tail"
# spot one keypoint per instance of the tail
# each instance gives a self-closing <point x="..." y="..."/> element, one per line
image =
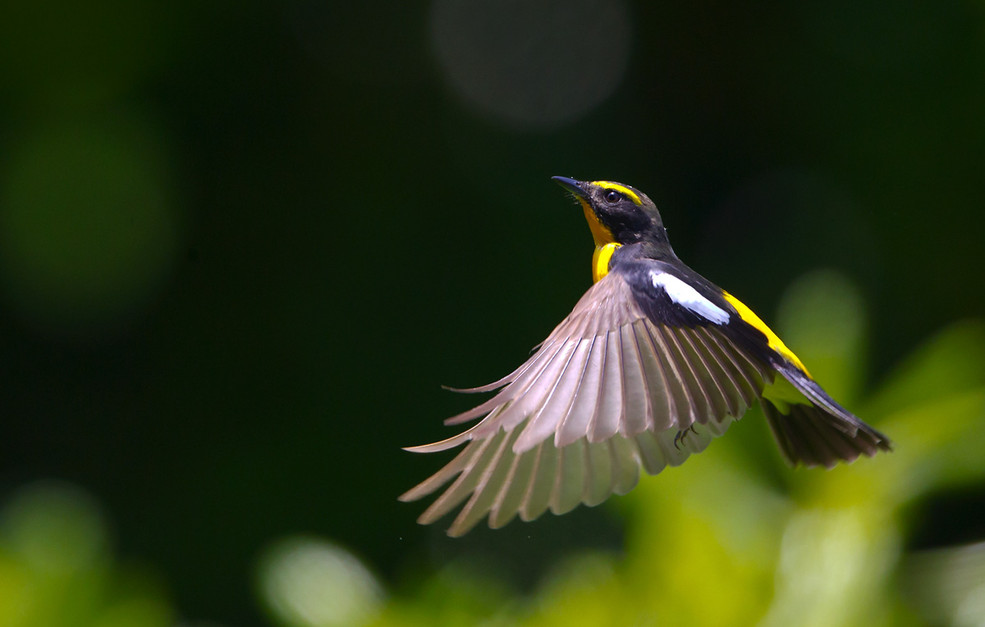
<point x="819" y="432"/>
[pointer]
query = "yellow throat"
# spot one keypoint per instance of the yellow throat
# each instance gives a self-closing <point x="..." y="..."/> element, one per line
<point x="605" y="244"/>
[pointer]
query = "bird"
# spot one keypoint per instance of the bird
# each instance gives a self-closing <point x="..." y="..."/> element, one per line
<point x="653" y="362"/>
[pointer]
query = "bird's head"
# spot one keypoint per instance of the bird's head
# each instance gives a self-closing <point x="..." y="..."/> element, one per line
<point x="616" y="213"/>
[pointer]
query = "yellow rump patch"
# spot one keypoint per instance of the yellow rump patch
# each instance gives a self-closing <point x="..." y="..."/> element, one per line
<point x="600" y="260"/>
<point x="622" y="189"/>
<point x="774" y="342"/>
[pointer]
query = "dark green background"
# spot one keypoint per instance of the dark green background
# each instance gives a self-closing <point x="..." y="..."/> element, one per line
<point x="349" y="234"/>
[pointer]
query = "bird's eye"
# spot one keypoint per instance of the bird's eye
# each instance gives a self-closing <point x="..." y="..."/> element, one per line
<point x="612" y="197"/>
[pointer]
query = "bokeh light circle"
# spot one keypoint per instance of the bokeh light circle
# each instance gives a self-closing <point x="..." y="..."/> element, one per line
<point x="54" y="527"/>
<point x="532" y="64"/>
<point x="308" y="582"/>
<point x="87" y="225"/>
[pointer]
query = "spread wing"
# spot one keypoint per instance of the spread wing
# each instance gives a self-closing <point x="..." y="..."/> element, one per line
<point x="613" y="388"/>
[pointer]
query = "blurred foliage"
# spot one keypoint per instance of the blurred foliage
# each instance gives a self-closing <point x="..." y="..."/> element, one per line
<point x="86" y="231"/>
<point x="243" y="244"/>
<point x="311" y="582"/>
<point x="721" y="541"/>
<point x="724" y="540"/>
<point x="57" y="568"/>
<point x="948" y="584"/>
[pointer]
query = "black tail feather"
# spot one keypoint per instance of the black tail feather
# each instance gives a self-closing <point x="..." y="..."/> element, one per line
<point x="811" y="436"/>
<point x="819" y="432"/>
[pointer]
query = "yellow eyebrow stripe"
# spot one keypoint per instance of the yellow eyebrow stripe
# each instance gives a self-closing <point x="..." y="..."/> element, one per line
<point x="774" y="342"/>
<point x="622" y="189"/>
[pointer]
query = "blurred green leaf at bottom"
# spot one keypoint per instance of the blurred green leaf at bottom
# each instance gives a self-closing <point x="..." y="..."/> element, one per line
<point x="56" y="568"/>
<point x="735" y="537"/>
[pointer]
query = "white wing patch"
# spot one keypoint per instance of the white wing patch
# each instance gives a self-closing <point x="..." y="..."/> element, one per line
<point x="688" y="297"/>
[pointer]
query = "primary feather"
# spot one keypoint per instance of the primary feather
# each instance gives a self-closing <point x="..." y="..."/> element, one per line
<point x="600" y="399"/>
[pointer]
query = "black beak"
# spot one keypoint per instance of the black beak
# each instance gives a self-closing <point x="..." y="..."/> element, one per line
<point x="573" y="186"/>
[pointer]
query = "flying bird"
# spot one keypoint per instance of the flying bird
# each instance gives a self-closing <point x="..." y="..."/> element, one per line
<point x="652" y="363"/>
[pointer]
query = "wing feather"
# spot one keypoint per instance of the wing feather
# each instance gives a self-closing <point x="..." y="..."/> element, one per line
<point x="569" y="481"/>
<point x="664" y="403"/>
<point x="625" y="465"/>
<point x="443" y="476"/>
<point x="538" y="494"/>
<point x="531" y="398"/>
<point x="485" y="491"/>
<point x="712" y="381"/>
<point x="545" y="421"/>
<point x="684" y="401"/>
<point x="466" y="482"/>
<point x="733" y="385"/>
<point x="674" y="449"/>
<point x="637" y="415"/>
<point x="521" y="381"/>
<point x="605" y="422"/>
<point x="690" y="374"/>
<point x="585" y="403"/>
<point x="651" y="454"/>
<point x="598" y="468"/>
<point x="514" y="488"/>
<point x="610" y="392"/>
